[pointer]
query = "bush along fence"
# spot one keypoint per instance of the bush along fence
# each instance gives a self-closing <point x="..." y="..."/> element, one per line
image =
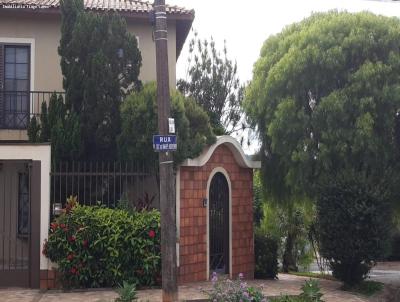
<point x="105" y="182"/>
<point x="96" y="246"/>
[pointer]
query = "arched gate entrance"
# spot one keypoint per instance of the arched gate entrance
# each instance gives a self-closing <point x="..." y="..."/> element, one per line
<point x="219" y="224"/>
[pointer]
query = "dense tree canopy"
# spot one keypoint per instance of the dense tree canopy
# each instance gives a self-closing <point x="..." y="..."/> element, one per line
<point x="213" y="82"/>
<point x="325" y="96"/>
<point x="100" y="63"/>
<point x="139" y="124"/>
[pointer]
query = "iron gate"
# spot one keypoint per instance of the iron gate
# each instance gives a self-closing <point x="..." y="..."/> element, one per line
<point x="219" y="224"/>
<point x="15" y="223"/>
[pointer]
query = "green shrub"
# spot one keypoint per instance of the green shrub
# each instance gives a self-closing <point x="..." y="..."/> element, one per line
<point x="33" y="130"/>
<point x="127" y="293"/>
<point x="101" y="247"/>
<point x="353" y="225"/>
<point x="311" y="291"/>
<point x="266" y="256"/>
<point x="257" y="199"/>
<point x="59" y="126"/>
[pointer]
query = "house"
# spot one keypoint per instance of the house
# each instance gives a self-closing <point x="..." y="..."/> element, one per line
<point x="29" y="38"/>
<point x="30" y="64"/>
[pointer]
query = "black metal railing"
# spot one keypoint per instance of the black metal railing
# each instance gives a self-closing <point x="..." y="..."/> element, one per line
<point x="18" y="107"/>
<point x="104" y="182"/>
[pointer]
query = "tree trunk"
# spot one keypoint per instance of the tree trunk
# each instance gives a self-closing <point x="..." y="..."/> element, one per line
<point x="289" y="260"/>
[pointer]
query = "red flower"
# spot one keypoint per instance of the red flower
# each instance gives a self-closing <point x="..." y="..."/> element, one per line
<point x="152" y="234"/>
<point x="53" y="226"/>
<point x="62" y="226"/>
<point x="74" y="271"/>
<point x="70" y="257"/>
<point x="72" y="239"/>
<point x="85" y="243"/>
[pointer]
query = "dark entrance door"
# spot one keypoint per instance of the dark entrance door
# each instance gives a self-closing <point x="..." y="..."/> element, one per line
<point x="219" y="224"/>
<point x="15" y="223"/>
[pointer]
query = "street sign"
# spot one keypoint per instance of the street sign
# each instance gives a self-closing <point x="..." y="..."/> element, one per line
<point x="164" y="143"/>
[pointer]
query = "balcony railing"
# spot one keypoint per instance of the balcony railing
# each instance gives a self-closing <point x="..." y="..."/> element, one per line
<point x="18" y="107"/>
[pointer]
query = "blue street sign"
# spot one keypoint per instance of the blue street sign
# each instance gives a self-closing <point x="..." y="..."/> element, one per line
<point x="164" y="143"/>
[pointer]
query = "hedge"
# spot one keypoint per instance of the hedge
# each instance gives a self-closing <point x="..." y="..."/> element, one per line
<point x="102" y="247"/>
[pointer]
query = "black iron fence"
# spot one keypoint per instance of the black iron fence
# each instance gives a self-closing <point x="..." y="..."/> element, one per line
<point x="105" y="182"/>
<point x="18" y="107"/>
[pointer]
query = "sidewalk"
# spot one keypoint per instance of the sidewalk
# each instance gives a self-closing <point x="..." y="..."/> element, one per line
<point x="287" y="284"/>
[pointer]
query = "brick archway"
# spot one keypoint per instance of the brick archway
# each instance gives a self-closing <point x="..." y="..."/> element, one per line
<point x="193" y="178"/>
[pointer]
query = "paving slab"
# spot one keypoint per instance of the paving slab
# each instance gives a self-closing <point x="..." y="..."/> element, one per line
<point x="287" y="284"/>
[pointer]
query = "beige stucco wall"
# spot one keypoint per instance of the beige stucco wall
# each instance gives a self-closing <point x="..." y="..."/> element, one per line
<point x="42" y="32"/>
<point x="45" y="31"/>
<point x="147" y="47"/>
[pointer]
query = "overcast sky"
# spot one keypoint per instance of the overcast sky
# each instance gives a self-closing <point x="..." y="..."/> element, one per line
<point x="246" y="24"/>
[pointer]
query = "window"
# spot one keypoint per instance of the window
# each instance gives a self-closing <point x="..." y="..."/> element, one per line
<point x="23" y="203"/>
<point x="16" y="68"/>
<point x="15" y="78"/>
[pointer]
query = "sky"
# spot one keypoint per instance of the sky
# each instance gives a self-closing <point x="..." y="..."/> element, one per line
<point x="246" y="24"/>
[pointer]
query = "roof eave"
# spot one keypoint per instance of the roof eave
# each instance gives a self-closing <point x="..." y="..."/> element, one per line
<point x="182" y="31"/>
<point x="183" y="21"/>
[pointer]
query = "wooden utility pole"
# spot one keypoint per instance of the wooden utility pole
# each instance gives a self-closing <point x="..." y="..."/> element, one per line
<point x="167" y="181"/>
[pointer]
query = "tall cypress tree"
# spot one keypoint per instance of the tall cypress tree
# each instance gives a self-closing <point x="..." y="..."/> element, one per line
<point x="72" y="77"/>
<point x="100" y="62"/>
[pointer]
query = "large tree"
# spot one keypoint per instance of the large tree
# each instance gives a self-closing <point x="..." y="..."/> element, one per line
<point x="325" y="96"/>
<point x="100" y="63"/>
<point x="139" y="124"/>
<point x="213" y="82"/>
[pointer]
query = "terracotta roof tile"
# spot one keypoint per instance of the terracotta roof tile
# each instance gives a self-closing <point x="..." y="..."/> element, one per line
<point x="138" y="6"/>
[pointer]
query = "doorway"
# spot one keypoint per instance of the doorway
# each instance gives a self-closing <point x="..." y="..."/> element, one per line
<point x="15" y="223"/>
<point x="219" y="235"/>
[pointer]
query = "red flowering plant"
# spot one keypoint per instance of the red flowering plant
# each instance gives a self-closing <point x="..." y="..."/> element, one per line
<point x="152" y="234"/>
<point x="100" y="247"/>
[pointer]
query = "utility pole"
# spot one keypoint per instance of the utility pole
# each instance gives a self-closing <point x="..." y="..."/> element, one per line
<point x="167" y="181"/>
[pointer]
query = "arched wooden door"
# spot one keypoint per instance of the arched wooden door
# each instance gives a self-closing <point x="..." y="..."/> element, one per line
<point x="219" y="224"/>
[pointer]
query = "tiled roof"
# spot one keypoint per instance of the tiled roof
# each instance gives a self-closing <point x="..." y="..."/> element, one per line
<point x="136" y="6"/>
